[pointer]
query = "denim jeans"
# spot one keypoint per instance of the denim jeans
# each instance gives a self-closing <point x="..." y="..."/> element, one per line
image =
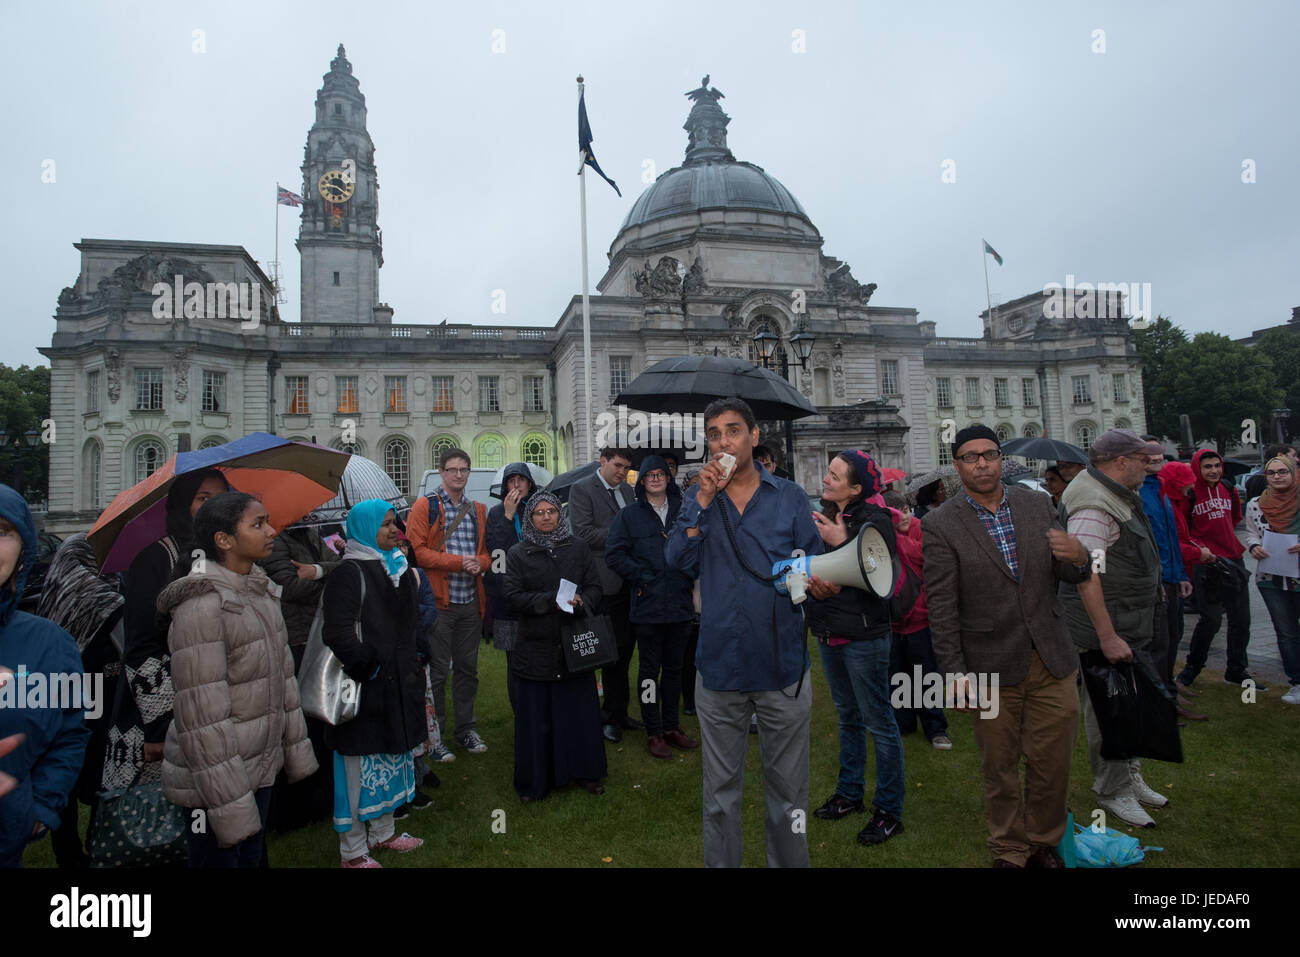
<point x="858" y="674"/>
<point x="206" y="853"/>
<point x="1284" y="608"/>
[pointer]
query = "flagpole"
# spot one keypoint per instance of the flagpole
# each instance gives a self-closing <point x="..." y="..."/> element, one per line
<point x="586" y="308"/>
<point x="984" y="254"/>
<point x="277" y="246"/>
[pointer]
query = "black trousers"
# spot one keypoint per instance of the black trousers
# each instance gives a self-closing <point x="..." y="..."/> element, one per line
<point x="614" y="677"/>
<point x="1168" y="634"/>
<point x="1237" y="605"/>
<point x="660" y="648"/>
<point x="688" y="664"/>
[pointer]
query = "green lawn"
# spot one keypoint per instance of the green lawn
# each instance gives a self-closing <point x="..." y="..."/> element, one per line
<point x="1233" y="800"/>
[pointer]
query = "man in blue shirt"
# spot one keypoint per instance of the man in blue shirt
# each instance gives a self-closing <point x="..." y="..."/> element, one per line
<point x="1174" y="579"/>
<point x="752" y="656"/>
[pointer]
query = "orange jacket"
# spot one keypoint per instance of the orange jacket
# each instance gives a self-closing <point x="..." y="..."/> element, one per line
<point x="436" y="562"/>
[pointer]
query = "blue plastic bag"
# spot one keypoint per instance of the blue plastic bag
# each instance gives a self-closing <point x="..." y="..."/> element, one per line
<point x="1109" y="848"/>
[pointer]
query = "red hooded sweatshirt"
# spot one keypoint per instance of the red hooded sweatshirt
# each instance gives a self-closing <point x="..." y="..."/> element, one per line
<point x="909" y="550"/>
<point x="1213" y="513"/>
<point x="1175" y="479"/>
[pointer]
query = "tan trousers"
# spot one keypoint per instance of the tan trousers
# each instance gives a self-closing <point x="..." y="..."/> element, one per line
<point x="1038" y="718"/>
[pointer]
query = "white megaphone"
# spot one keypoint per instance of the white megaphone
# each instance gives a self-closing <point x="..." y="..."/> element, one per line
<point x="864" y="563"/>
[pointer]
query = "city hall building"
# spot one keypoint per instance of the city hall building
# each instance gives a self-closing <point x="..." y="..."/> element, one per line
<point x="164" y="347"/>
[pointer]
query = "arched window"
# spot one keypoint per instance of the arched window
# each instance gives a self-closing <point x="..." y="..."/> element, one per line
<point x="91" y="461"/>
<point x="397" y="463"/>
<point x="211" y="442"/>
<point x="490" y="451"/>
<point x="147" y="458"/>
<point x="1003" y="432"/>
<point x="533" y="450"/>
<point x="440" y="442"/>
<point x="1030" y="431"/>
<point x="945" y="449"/>
<point x="1123" y="424"/>
<point x="1084" y="434"/>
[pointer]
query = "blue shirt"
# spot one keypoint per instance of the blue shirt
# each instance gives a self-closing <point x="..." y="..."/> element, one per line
<point x="738" y="650"/>
<point x="1161" y="515"/>
<point x="1000" y="528"/>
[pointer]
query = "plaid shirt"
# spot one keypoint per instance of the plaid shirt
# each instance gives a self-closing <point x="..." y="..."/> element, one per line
<point x="462" y="588"/>
<point x="1000" y="529"/>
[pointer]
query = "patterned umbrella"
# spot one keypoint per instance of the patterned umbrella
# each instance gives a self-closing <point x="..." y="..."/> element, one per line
<point x="289" y="478"/>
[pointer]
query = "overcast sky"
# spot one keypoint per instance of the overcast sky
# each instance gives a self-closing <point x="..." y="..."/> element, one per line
<point x="1115" y="166"/>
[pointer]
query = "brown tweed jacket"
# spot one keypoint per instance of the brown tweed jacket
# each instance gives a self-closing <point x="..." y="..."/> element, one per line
<point x="981" y="618"/>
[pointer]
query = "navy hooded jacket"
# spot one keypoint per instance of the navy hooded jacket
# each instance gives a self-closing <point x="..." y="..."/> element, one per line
<point x="502" y="535"/>
<point x="635" y="551"/>
<point x="47" y="762"/>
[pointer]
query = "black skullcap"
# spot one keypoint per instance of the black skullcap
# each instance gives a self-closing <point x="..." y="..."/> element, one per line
<point x="974" y="432"/>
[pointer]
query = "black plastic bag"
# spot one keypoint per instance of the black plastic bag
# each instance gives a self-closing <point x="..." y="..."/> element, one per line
<point x="1137" y="714"/>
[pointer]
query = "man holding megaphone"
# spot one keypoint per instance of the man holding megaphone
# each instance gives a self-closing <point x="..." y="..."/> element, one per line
<point x="751" y="658"/>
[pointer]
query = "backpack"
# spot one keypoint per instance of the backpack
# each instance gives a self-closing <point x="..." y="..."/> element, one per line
<point x="907" y="591"/>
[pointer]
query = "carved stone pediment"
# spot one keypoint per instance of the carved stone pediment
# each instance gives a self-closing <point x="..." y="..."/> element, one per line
<point x="659" y="282"/>
<point x="140" y="274"/>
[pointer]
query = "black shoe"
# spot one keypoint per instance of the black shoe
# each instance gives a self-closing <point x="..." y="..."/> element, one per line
<point x="430" y="780"/>
<point x="420" y="802"/>
<point x="611" y="733"/>
<point x="1246" y="676"/>
<point x="688" y="709"/>
<point x="837" y="807"/>
<point x="628" y="723"/>
<point x="880" y="829"/>
<point x="402" y="813"/>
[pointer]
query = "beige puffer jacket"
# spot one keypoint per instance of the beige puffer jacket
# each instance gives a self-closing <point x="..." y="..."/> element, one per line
<point x="236" y="719"/>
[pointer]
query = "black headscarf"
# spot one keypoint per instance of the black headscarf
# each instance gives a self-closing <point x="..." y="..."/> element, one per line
<point x="562" y="533"/>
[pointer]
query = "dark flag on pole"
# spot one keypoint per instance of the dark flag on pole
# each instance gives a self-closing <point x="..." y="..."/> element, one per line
<point x="584" y="143"/>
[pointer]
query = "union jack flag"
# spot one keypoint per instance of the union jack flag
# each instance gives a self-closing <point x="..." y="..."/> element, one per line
<point x="285" y="198"/>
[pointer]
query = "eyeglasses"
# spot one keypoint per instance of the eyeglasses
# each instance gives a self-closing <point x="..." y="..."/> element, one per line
<point x="654" y="475"/>
<point x="544" y="512"/>
<point x="970" y="458"/>
<point x="1277" y="473"/>
<point x="451" y="471"/>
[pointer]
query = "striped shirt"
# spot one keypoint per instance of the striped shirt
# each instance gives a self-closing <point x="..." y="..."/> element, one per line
<point x="462" y="588"/>
<point x="1000" y="528"/>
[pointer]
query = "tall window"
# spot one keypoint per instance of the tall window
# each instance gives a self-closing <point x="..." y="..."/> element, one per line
<point x="1029" y="393"/>
<point x="345" y="389"/>
<point x="397" y="463"/>
<point x="1084" y="433"/>
<point x="620" y="374"/>
<point x="945" y="449"/>
<point x="534" y="394"/>
<point x="889" y="377"/>
<point x="973" y="392"/>
<point x="92" y="391"/>
<point x="1002" y="393"/>
<point x="394" y="393"/>
<point x="489" y="393"/>
<point x="943" y="392"/>
<point x="1003" y="432"/>
<point x="148" y="458"/>
<point x="295" y="395"/>
<point x="440" y="443"/>
<point x="1120" y="384"/>
<point x="533" y="450"/>
<point x="1081" y="389"/>
<point x="214" y="391"/>
<point x="1030" y="431"/>
<point x="93" y="460"/>
<point x="149" y="388"/>
<point x="444" y="393"/>
<point x="490" y="452"/>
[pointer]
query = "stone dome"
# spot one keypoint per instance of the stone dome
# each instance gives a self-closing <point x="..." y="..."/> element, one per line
<point x="725" y="185"/>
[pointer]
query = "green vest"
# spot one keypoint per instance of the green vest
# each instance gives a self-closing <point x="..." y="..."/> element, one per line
<point x="1130" y="585"/>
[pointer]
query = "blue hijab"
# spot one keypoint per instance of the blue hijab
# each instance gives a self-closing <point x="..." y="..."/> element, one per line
<point x="363" y="524"/>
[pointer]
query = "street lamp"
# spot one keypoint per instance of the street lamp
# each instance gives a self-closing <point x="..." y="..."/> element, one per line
<point x="15" y="442"/>
<point x="765" y="342"/>
<point x="803" y="341"/>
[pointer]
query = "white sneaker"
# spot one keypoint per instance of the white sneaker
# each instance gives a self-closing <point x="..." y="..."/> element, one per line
<point x="1292" y="696"/>
<point x="1143" y="792"/>
<point x="1125" y="807"/>
<point x="941" y="742"/>
<point x="472" y="743"/>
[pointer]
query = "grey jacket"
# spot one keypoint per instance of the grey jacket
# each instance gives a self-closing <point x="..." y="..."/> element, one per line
<point x="983" y="619"/>
<point x="591" y="513"/>
<point x="236" y="721"/>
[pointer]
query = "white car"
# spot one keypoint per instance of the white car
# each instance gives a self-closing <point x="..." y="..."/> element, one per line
<point x="477" y="488"/>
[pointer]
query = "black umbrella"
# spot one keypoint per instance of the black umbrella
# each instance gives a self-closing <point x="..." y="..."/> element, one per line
<point x="561" y="484"/>
<point x="1235" y="467"/>
<point x="690" y="383"/>
<point x="1050" y="449"/>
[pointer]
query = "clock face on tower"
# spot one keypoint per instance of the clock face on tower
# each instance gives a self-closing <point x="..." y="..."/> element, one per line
<point x="334" y="187"/>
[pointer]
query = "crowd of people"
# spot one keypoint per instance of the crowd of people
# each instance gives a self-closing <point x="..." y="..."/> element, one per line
<point x="201" y="644"/>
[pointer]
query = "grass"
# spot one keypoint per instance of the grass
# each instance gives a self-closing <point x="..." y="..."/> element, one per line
<point x="1232" y="800"/>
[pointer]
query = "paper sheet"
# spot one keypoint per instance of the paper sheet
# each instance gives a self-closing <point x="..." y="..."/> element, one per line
<point x="567" y="590"/>
<point x="1279" y="562"/>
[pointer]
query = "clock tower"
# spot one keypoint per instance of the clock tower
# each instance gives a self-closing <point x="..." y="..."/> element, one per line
<point x="339" y="240"/>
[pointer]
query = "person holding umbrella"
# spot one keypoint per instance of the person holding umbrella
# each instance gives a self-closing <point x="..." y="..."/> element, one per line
<point x="143" y="708"/>
<point x="237" y="716"/>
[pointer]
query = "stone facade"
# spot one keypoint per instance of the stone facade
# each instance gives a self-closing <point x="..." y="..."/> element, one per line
<point x="711" y="253"/>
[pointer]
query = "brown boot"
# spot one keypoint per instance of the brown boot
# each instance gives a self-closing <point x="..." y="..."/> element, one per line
<point x="657" y="747"/>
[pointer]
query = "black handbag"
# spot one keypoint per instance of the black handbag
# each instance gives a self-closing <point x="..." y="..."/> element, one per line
<point x="588" y="643"/>
<point x="136" y="826"/>
<point x="1136" y="713"/>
